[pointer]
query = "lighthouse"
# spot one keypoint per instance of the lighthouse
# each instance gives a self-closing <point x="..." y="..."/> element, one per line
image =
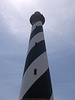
<point x="36" y="81"/>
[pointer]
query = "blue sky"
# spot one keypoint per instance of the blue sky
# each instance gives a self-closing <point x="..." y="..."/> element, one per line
<point x="59" y="31"/>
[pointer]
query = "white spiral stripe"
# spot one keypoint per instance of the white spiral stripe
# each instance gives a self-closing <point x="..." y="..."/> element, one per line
<point x="39" y="23"/>
<point x="29" y="77"/>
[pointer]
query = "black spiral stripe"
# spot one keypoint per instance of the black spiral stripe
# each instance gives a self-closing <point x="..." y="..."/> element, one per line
<point x="36" y="31"/>
<point x="35" y="52"/>
<point x="41" y="88"/>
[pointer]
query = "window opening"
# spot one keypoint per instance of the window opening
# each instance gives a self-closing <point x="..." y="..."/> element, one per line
<point x="36" y="43"/>
<point x="36" y="26"/>
<point x="35" y="71"/>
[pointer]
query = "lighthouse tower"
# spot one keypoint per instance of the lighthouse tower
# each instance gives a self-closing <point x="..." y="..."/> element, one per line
<point x="36" y="82"/>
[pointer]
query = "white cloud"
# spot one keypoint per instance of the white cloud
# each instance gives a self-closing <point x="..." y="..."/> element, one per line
<point x="14" y="20"/>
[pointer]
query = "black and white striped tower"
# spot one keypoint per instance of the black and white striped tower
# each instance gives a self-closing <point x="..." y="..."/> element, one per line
<point x="36" y="83"/>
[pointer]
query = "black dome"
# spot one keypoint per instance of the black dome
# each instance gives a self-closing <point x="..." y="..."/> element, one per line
<point x="37" y="16"/>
